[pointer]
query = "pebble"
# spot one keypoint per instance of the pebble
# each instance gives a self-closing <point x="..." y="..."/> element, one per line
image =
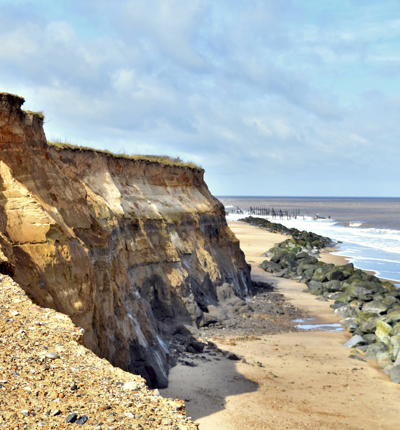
<point x="52" y="355"/>
<point x="80" y="421"/>
<point x="132" y="386"/>
<point x="71" y="418"/>
<point x="54" y="395"/>
<point x="86" y="389"/>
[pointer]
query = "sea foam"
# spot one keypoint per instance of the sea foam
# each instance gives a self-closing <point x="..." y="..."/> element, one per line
<point x="368" y="248"/>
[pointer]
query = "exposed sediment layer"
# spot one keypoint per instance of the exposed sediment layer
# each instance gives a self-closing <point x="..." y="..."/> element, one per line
<point x="131" y="250"/>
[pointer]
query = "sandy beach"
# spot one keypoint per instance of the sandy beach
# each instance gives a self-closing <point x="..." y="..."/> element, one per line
<point x="298" y="380"/>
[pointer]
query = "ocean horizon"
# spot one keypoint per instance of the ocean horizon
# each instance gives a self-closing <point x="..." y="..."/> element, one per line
<point x="366" y="229"/>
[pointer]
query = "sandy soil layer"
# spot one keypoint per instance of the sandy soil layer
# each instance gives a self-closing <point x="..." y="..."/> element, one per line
<point x="302" y="380"/>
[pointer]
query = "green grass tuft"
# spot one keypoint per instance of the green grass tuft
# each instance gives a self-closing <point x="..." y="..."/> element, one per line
<point x="160" y="159"/>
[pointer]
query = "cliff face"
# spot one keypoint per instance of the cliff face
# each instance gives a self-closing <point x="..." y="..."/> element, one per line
<point x="128" y="249"/>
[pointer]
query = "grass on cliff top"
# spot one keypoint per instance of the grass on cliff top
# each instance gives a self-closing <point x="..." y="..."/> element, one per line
<point x="161" y="159"/>
<point x="40" y="114"/>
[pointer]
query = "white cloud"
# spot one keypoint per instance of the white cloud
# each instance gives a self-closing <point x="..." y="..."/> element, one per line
<point x="358" y="139"/>
<point x="17" y="45"/>
<point x="171" y="25"/>
<point x="123" y="81"/>
<point x="246" y="89"/>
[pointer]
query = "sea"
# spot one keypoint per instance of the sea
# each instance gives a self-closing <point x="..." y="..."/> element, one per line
<point x="367" y="230"/>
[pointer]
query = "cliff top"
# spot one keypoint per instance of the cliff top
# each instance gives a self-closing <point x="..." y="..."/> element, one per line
<point x="160" y="159"/>
<point x="13" y="102"/>
<point x="48" y="378"/>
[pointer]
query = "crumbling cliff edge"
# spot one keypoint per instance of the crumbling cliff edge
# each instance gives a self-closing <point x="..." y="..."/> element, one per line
<point x="130" y="250"/>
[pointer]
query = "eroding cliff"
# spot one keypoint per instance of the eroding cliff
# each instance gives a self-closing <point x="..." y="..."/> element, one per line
<point x="131" y="250"/>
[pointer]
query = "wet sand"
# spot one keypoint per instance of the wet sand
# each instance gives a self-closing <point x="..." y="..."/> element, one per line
<point x="293" y="380"/>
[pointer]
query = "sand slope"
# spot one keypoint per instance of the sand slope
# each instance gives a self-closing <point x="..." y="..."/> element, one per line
<point x="290" y="381"/>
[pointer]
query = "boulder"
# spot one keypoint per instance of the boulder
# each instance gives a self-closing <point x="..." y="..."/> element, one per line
<point x="344" y="311"/>
<point x="355" y="290"/>
<point x="198" y="347"/>
<point x="270" y="266"/>
<point x="369" y="338"/>
<point x="390" y="299"/>
<point x="333" y="296"/>
<point x="340" y="309"/>
<point x="208" y="319"/>
<point x="281" y="273"/>
<point x="394" y="316"/>
<point x="394" y="374"/>
<point x="312" y="285"/>
<point x="320" y="274"/>
<point x="362" y="348"/>
<point x="315" y="291"/>
<point x="382" y="329"/>
<point x="304" y="255"/>
<point x="356" y="304"/>
<point x="332" y="286"/>
<point x="344" y="298"/>
<point x="335" y="275"/>
<point x="388" y="368"/>
<point x="365" y="316"/>
<point x="225" y="292"/>
<point x="367" y="327"/>
<point x="383" y="359"/>
<point x="347" y="267"/>
<point x="389" y="287"/>
<point x="308" y="266"/>
<point x="307" y="275"/>
<point x="361" y="289"/>
<point x="395" y="330"/>
<point x="288" y="260"/>
<point x="394" y="347"/>
<point x="350" y="324"/>
<point x="279" y="256"/>
<point x="354" y="341"/>
<point x="374" y="349"/>
<point x="376" y="306"/>
<point x="232" y="356"/>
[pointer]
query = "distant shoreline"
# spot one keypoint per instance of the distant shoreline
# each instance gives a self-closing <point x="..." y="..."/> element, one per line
<point x="368" y="229"/>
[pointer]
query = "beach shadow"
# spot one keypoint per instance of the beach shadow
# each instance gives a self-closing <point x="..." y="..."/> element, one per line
<point x="205" y="387"/>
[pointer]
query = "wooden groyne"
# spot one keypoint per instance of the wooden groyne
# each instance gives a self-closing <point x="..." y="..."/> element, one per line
<point x="274" y="213"/>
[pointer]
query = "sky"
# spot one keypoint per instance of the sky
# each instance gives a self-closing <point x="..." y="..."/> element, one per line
<point x="271" y="98"/>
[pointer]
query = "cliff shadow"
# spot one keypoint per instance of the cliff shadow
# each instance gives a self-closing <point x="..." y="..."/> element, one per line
<point x="206" y="382"/>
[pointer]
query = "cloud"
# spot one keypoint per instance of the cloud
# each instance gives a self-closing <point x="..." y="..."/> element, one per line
<point x="284" y="90"/>
<point x="171" y="25"/>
